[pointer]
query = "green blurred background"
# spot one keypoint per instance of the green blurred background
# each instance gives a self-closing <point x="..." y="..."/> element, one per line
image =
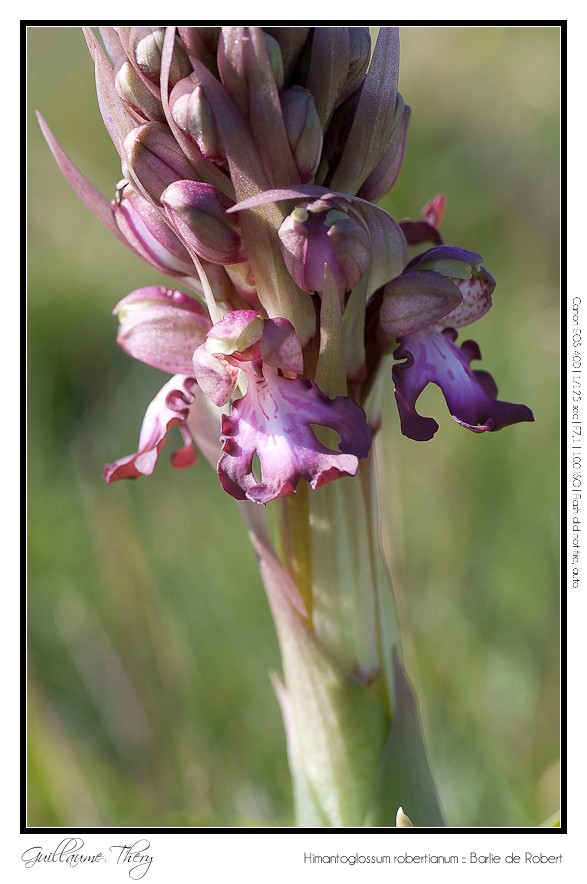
<point x="150" y="641"/>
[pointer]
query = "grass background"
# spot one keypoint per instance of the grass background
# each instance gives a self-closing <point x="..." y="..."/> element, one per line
<point x="149" y="637"/>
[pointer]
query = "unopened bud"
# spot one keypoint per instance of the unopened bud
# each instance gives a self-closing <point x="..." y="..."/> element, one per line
<point x="360" y="52"/>
<point x="275" y="59"/>
<point x="303" y="129"/>
<point x="321" y="235"/>
<point x="198" y="48"/>
<point x="137" y="95"/>
<point x="155" y="158"/>
<point x="198" y="212"/>
<point x="386" y="172"/>
<point x="291" y="42"/>
<point x="148" y="234"/>
<point x="192" y="112"/>
<point x="147" y="45"/>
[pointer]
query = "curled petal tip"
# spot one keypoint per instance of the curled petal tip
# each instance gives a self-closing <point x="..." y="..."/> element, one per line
<point x="171" y="407"/>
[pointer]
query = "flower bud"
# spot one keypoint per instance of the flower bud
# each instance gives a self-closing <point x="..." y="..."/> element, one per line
<point x="360" y="53"/>
<point x="291" y="42"/>
<point x="386" y="172"/>
<point x="192" y="112"/>
<point x="137" y="95"/>
<point x="199" y="46"/>
<point x="155" y="159"/>
<point x="198" y="213"/>
<point x="275" y="59"/>
<point x="320" y="235"/>
<point x="303" y="129"/>
<point x="161" y="327"/>
<point x="147" y="45"/>
<point x="148" y="234"/>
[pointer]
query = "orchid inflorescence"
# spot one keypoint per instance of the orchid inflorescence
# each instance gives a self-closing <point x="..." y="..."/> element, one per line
<point x="252" y="159"/>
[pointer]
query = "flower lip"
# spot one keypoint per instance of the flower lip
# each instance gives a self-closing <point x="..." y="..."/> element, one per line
<point x="431" y="356"/>
<point x="274" y="421"/>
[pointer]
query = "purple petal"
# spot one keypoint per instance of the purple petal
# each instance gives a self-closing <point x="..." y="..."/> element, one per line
<point x="169" y="408"/>
<point x="444" y="253"/>
<point x="433" y="358"/>
<point x="280" y="346"/>
<point x="274" y="421"/>
<point x="161" y="327"/>
<point x="417" y="232"/>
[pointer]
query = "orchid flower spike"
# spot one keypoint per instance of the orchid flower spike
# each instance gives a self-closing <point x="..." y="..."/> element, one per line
<point x="251" y="161"/>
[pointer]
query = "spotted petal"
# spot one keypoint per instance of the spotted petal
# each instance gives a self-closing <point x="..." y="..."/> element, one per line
<point x="170" y="407"/>
<point x="274" y="421"/>
<point x="432" y="357"/>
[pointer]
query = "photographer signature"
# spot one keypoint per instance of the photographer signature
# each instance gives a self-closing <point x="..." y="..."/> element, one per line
<point x="69" y="851"/>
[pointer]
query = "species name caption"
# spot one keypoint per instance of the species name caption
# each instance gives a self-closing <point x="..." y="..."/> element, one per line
<point x="472" y="858"/>
<point x="576" y="443"/>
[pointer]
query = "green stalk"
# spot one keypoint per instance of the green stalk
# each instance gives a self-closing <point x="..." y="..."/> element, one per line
<point x="354" y="734"/>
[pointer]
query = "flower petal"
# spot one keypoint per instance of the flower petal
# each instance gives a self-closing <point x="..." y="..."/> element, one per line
<point x="274" y="420"/>
<point x="433" y="358"/>
<point x="161" y="327"/>
<point x="476" y="301"/>
<point x="170" y="406"/>
<point x="280" y="346"/>
<point x="415" y="300"/>
<point x="215" y="376"/>
<point x="433" y="211"/>
<point x="417" y="232"/>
